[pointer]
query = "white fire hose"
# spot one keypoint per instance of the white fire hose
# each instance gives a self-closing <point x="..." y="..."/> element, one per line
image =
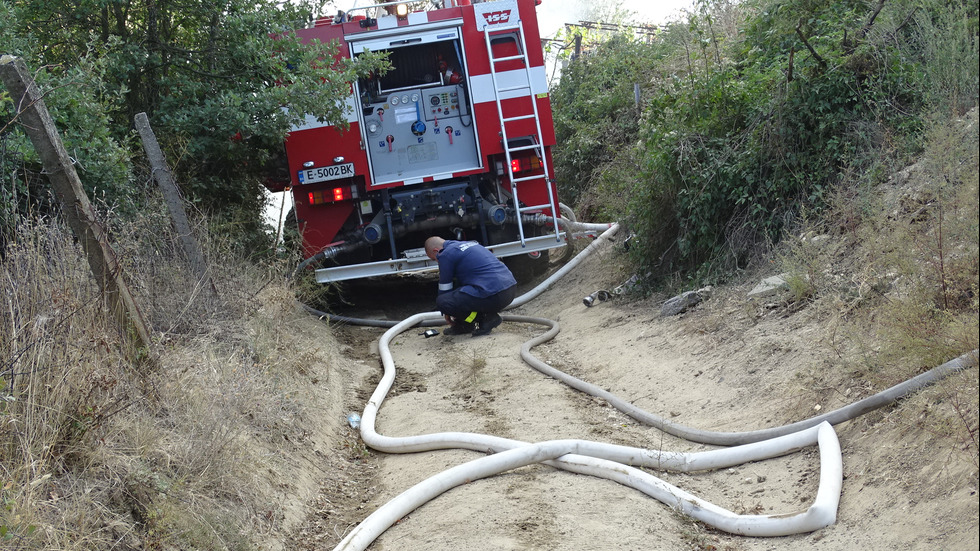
<point x="609" y="461"/>
<point x="615" y="462"/>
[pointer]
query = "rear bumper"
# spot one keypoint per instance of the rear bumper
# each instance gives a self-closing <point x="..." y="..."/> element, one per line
<point x="420" y="262"/>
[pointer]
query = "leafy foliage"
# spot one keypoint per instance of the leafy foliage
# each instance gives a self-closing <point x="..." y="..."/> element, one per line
<point x="213" y="76"/>
<point x="597" y="117"/>
<point x="753" y="111"/>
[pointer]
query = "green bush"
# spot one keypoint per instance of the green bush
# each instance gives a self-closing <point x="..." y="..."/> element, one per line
<point x="596" y="118"/>
<point x="751" y="112"/>
<point x="209" y="76"/>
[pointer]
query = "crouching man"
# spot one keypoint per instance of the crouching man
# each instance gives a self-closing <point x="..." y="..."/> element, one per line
<point x="483" y="285"/>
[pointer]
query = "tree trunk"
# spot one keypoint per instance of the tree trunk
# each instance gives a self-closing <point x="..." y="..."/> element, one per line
<point x="37" y="123"/>
<point x="165" y="181"/>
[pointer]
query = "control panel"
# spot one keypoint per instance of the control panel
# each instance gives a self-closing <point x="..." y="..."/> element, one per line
<point x="444" y="104"/>
<point x="420" y="132"/>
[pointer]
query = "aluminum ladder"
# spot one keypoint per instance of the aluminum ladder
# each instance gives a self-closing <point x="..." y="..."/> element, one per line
<point x="495" y="31"/>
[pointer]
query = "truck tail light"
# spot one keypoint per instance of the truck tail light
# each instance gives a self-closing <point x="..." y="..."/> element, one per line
<point x="334" y="195"/>
<point x="525" y="164"/>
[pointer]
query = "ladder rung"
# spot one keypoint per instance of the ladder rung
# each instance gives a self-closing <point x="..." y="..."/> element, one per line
<point x="535" y="207"/>
<point x="522" y="148"/>
<point x="527" y="179"/>
<point x="512" y="88"/>
<point x="519" y="118"/>
<point x="499" y="29"/>
<point x="507" y="58"/>
<point x="515" y="181"/>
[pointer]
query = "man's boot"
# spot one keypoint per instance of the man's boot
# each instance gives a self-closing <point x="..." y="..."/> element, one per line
<point x="487" y="323"/>
<point x="459" y="328"/>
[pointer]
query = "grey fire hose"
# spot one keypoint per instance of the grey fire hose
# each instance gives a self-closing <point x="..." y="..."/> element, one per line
<point x="613" y="462"/>
<point x="846" y="413"/>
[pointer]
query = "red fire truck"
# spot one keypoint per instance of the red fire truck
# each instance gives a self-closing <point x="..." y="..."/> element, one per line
<point x="455" y="140"/>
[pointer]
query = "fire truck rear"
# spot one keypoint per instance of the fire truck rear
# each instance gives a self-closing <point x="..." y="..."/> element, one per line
<point x="455" y="140"/>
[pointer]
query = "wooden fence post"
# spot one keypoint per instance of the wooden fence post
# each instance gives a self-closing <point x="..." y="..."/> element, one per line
<point x="165" y="181"/>
<point x="37" y="123"/>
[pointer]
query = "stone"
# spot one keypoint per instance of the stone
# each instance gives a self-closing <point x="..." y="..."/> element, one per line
<point x="680" y="303"/>
<point x="770" y="286"/>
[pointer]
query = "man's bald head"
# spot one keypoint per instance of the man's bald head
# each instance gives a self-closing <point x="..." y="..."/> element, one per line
<point x="433" y="245"/>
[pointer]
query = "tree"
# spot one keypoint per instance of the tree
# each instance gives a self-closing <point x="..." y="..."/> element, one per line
<point x="214" y="76"/>
<point x="753" y="111"/>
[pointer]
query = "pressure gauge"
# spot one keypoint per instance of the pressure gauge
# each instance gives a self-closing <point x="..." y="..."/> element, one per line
<point x="373" y="127"/>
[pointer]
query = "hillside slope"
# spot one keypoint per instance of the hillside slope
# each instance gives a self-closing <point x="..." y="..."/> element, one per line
<point x="729" y="364"/>
<point x="724" y="366"/>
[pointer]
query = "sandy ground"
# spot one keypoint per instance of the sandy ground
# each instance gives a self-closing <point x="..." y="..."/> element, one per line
<point x="727" y="365"/>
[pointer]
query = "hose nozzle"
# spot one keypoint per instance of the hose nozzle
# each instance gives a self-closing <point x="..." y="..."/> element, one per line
<point x="600" y="295"/>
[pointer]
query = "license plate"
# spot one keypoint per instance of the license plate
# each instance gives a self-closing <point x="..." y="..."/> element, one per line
<point x="326" y="173"/>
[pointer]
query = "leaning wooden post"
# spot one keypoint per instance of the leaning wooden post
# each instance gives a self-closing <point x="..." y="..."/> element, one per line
<point x="165" y="181"/>
<point x="34" y="118"/>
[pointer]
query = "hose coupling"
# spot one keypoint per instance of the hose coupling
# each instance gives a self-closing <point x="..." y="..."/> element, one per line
<point x="600" y="295"/>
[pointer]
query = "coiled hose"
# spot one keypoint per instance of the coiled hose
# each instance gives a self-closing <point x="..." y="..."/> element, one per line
<point x="619" y="463"/>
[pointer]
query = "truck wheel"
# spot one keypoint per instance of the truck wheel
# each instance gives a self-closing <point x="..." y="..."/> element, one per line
<point x="526" y="267"/>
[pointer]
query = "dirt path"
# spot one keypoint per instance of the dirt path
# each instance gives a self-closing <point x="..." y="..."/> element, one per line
<point x="725" y="366"/>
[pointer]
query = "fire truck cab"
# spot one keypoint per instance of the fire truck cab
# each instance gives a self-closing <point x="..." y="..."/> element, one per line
<point x="455" y="140"/>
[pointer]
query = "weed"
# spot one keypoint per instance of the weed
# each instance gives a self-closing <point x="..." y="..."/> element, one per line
<point x="699" y="538"/>
<point x="479" y="361"/>
<point x="96" y="454"/>
<point x="932" y="316"/>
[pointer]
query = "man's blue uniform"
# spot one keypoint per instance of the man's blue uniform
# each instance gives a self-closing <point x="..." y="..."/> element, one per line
<point x="483" y="285"/>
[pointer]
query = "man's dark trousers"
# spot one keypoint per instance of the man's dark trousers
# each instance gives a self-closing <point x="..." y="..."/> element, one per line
<point x="460" y="305"/>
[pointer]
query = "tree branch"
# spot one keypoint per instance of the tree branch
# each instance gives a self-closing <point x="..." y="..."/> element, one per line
<point x="871" y="21"/>
<point x="789" y="70"/>
<point x="906" y="20"/>
<point x="820" y="60"/>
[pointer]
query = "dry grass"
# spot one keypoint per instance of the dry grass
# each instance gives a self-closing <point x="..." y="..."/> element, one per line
<point x="95" y="454"/>
<point x="896" y="270"/>
<point x="198" y="454"/>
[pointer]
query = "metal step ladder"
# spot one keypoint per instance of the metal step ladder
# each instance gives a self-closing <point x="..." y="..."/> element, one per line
<point x="489" y="33"/>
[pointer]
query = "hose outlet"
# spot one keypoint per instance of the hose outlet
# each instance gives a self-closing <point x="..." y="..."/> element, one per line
<point x="373" y="233"/>
<point x="497" y="214"/>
